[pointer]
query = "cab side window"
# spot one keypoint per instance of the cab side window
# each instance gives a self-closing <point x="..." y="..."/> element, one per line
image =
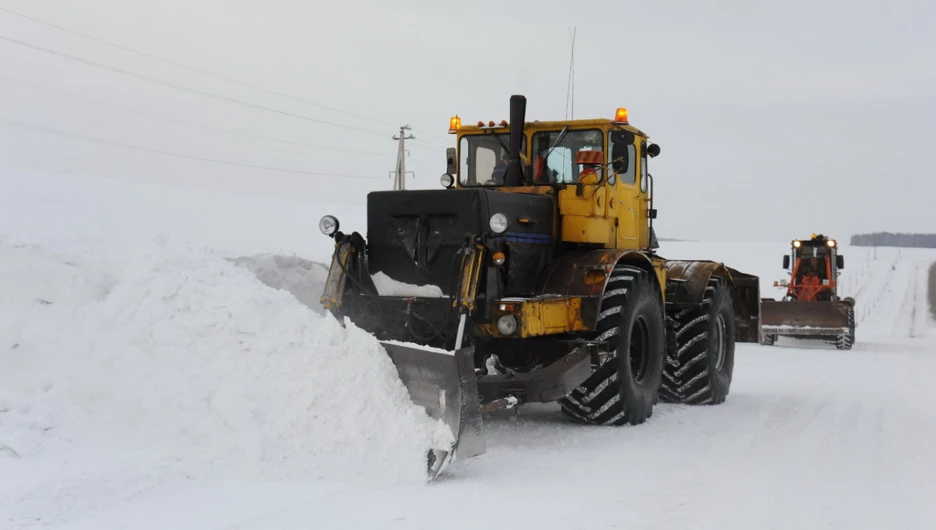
<point x="622" y="156"/>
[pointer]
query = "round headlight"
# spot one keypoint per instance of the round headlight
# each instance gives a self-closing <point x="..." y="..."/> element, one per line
<point x="797" y="244"/>
<point x="328" y="225"/>
<point x="507" y="325"/>
<point x="447" y="180"/>
<point x="831" y="243"/>
<point x="499" y="223"/>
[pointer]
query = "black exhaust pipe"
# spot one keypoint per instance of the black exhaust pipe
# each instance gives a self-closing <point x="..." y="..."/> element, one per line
<point x="514" y="176"/>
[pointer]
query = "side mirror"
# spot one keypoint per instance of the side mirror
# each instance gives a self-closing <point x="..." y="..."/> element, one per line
<point x="451" y="166"/>
<point x="620" y="159"/>
<point x="653" y="150"/>
<point x="840" y="261"/>
<point x="786" y="262"/>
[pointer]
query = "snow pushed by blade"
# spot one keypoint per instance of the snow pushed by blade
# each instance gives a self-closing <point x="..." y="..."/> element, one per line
<point x="189" y="358"/>
<point x="387" y="286"/>
<point x="304" y="278"/>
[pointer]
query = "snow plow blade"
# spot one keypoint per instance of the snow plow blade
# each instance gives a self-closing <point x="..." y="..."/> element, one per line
<point x="445" y="384"/>
<point x="806" y="320"/>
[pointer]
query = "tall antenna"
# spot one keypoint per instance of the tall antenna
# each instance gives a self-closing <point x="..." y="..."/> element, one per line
<point x="570" y="88"/>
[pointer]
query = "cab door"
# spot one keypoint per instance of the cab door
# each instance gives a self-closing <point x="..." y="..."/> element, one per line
<point x="628" y="199"/>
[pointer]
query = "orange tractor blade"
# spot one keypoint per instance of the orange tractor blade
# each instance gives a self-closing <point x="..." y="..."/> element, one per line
<point x="832" y="321"/>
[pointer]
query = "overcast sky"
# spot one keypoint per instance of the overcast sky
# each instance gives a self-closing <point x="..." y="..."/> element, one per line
<point x="775" y="119"/>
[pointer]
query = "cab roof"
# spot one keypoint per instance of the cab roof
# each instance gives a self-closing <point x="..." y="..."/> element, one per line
<point x="552" y="125"/>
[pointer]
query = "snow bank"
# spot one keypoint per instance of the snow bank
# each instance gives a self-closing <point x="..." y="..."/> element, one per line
<point x="387" y="286"/>
<point x="303" y="278"/>
<point x="186" y="356"/>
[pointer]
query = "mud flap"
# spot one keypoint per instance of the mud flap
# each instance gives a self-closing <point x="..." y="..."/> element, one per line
<point x="445" y="384"/>
<point x="806" y="320"/>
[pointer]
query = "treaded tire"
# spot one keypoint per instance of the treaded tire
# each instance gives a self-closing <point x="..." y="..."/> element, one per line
<point x="619" y="393"/>
<point x="698" y="370"/>
<point x="769" y="340"/>
<point x="844" y="342"/>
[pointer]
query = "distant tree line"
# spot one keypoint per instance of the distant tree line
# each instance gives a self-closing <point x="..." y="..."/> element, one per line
<point x="887" y="239"/>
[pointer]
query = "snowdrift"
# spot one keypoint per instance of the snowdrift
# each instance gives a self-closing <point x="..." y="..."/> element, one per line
<point x="303" y="278"/>
<point x="189" y="358"/>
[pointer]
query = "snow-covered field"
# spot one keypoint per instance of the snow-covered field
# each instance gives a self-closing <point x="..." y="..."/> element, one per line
<point x="163" y="365"/>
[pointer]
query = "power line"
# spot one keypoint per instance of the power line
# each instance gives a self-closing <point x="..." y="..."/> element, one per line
<point x="184" y="122"/>
<point x="190" y="68"/>
<point x="186" y="88"/>
<point x="46" y="130"/>
<point x="204" y="72"/>
<point x="435" y="134"/>
<point x="432" y="144"/>
<point x="424" y="147"/>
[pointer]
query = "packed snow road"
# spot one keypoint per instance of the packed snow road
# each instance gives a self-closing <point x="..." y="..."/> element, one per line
<point x="809" y="437"/>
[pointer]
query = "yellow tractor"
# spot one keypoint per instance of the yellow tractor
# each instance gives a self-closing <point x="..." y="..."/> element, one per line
<point x="533" y="277"/>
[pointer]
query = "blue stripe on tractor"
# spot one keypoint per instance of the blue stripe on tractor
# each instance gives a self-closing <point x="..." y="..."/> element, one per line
<point x="517" y="237"/>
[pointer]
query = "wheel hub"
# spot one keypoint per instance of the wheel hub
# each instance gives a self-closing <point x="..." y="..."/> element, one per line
<point x="719" y="342"/>
<point x="640" y="349"/>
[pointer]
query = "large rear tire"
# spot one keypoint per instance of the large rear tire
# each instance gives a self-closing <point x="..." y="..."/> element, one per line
<point x="624" y="388"/>
<point x="699" y="368"/>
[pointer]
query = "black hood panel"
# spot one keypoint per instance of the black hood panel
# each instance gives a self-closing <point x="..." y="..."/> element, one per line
<point x="414" y="236"/>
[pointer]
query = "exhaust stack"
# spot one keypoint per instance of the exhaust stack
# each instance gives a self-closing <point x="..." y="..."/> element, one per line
<point x="514" y="176"/>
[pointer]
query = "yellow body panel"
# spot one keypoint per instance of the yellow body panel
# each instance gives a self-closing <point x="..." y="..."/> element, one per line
<point x="580" y="229"/>
<point x="541" y="316"/>
<point x="631" y="212"/>
<point x="593" y="201"/>
<point x="545" y="317"/>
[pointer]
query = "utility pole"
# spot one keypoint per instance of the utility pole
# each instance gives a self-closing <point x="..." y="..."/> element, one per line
<point x="399" y="182"/>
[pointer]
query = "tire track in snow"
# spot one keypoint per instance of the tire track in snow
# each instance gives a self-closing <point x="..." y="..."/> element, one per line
<point x="755" y="435"/>
<point x="914" y="291"/>
<point x="931" y="290"/>
<point x="910" y="321"/>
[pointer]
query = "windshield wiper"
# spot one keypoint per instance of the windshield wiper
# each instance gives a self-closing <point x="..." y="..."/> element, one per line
<point x="501" y="142"/>
<point x="559" y="139"/>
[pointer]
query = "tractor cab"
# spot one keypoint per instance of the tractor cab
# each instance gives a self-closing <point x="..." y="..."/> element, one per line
<point x="595" y="171"/>
<point x="815" y="265"/>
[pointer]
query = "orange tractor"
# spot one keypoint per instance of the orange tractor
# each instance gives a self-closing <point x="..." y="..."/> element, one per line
<point x="811" y="307"/>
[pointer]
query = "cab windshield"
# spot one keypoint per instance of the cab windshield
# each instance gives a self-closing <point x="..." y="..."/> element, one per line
<point x="560" y="167"/>
<point x="484" y="159"/>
